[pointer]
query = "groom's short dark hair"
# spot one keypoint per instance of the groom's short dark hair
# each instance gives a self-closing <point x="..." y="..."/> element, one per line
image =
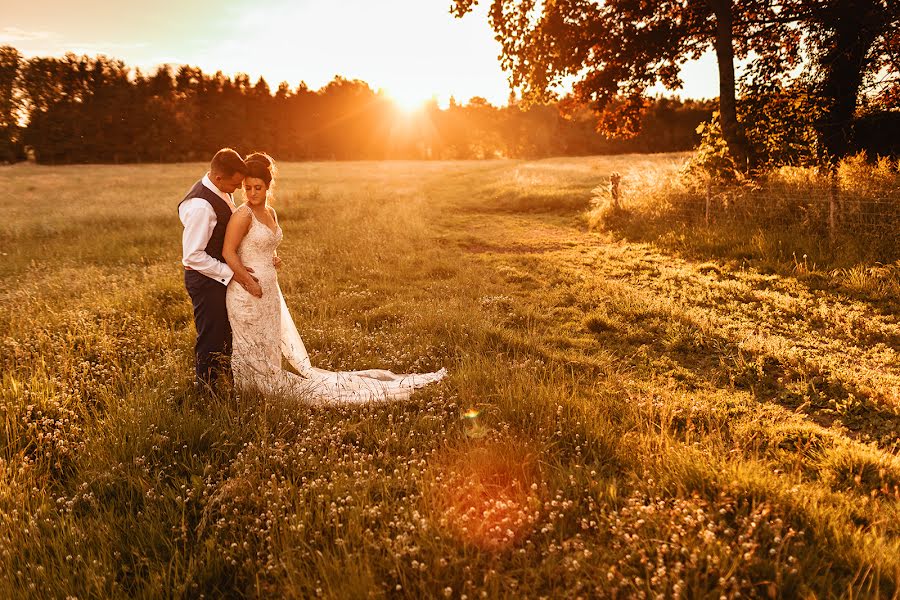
<point x="227" y="162"/>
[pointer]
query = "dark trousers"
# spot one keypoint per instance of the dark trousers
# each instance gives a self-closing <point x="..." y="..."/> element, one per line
<point x="213" y="348"/>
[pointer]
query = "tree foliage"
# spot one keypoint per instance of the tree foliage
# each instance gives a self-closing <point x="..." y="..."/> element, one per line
<point x="852" y="41"/>
<point x="623" y="48"/>
<point x="9" y="118"/>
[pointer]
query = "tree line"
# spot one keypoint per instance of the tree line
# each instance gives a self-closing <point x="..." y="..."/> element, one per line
<point x="97" y="109"/>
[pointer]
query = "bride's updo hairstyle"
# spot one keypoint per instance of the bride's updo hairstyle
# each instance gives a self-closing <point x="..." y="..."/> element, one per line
<point x="260" y="166"/>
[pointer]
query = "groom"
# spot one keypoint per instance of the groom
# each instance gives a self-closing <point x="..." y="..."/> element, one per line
<point x="205" y="212"/>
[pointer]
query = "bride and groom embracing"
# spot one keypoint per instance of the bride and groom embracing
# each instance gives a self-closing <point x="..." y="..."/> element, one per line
<point x="230" y="262"/>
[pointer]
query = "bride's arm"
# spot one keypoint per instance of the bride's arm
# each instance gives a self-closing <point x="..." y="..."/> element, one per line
<point x="238" y="226"/>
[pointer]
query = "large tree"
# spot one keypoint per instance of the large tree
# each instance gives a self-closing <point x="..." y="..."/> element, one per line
<point x="623" y="48"/>
<point x="850" y="40"/>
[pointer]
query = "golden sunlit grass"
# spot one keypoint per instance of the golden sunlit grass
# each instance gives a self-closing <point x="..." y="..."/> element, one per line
<point x="790" y="220"/>
<point x="621" y="419"/>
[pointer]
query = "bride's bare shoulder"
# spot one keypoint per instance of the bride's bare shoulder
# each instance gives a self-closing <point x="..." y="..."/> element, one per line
<point x="241" y="212"/>
<point x="240" y="218"/>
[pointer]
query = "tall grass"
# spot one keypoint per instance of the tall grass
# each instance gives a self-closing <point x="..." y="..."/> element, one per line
<point x="619" y="421"/>
<point x="790" y="220"/>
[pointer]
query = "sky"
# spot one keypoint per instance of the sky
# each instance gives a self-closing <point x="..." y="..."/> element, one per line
<point x="413" y="49"/>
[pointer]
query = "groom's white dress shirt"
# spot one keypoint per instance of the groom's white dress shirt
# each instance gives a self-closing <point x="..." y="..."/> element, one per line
<point x="199" y="220"/>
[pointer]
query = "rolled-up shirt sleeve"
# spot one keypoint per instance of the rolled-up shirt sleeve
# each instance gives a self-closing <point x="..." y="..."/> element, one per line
<point x="199" y="220"/>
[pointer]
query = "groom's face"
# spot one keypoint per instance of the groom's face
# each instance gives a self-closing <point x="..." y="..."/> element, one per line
<point x="229" y="183"/>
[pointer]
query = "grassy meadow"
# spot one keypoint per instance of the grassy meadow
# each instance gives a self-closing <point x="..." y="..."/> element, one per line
<point x="630" y="413"/>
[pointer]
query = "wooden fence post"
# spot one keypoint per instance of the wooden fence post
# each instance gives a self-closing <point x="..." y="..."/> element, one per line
<point x="708" y="203"/>
<point x="833" y="200"/>
<point x="614" y="191"/>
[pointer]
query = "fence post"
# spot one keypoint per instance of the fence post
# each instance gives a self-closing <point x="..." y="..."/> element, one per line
<point x="833" y="200"/>
<point x="614" y="180"/>
<point x="708" y="202"/>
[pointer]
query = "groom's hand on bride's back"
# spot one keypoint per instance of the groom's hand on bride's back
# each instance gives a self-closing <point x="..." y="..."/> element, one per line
<point x="276" y="262"/>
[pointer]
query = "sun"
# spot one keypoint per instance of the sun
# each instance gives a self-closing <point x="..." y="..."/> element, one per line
<point x="407" y="100"/>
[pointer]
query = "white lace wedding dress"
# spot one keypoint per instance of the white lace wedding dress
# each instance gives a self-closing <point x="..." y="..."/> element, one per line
<point x="263" y="330"/>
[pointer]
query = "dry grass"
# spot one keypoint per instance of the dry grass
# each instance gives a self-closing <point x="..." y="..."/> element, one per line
<point x="622" y="419"/>
<point x="782" y="222"/>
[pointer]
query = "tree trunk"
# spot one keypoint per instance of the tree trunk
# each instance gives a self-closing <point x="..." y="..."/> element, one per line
<point x="731" y="129"/>
<point x="851" y="27"/>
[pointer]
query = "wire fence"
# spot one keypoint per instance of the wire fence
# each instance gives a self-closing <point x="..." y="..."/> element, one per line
<point x="830" y="212"/>
<point x="830" y="209"/>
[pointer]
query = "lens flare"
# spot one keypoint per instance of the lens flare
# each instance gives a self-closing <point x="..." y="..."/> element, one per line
<point x="488" y="496"/>
<point x="472" y="427"/>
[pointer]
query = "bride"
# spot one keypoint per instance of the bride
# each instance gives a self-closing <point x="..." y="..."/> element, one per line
<point x="261" y="325"/>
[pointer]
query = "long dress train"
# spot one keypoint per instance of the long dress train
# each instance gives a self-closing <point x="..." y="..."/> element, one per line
<point x="263" y="330"/>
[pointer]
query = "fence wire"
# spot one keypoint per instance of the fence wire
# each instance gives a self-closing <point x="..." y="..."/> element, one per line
<point x="828" y="210"/>
<point x="835" y="212"/>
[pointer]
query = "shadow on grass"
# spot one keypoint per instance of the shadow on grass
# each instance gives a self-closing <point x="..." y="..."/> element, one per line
<point x="695" y="356"/>
<point x="855" y="263"/>
<point x="565" y="200"/>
